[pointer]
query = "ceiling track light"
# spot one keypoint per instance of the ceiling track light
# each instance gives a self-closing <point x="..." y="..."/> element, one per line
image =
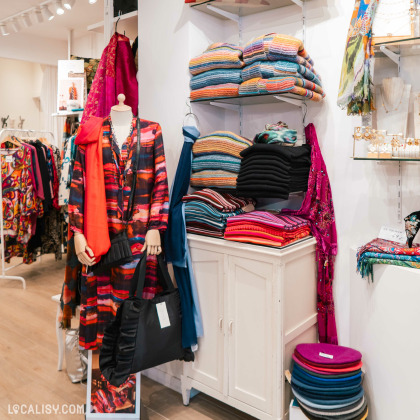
<point x="58" y="7"/>
<point x="92" y="1"/>
<point x="38" y="15"/>
<point x="26" y="20"/>
<point x="68" y="4"/>
<point x="46" y="13"/>
<point x="15" y="25"/>
<point x="3" y="29"/>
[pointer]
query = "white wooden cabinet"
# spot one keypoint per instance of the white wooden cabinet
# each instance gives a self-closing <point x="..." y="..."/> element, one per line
<point x="257" y="304"/>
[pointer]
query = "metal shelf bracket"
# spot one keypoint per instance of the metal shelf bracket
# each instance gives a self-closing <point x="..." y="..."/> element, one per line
<point x="230" y="107"/>
<point x="390" y="54"/>
<point x="227" y="15"/>
<point x="298" y="3"/>
<point x="292" y="101"/>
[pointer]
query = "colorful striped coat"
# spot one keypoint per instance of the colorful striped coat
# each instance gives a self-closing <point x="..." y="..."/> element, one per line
<point x="101" y="295"/>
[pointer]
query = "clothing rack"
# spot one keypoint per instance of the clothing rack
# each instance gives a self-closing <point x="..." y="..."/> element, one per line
<point x="3" y="271"/>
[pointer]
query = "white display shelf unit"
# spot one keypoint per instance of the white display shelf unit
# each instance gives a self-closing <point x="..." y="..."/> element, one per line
<point x="232" y="11"/>
<point x="397" y="49"/>
<point x="127" y="24"/>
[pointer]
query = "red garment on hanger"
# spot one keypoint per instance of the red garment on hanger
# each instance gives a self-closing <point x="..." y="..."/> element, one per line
<point x="95" y="217"/>
<point x="116" y="74"/>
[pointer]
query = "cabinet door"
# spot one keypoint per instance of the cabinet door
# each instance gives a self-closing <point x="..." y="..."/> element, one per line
<point x="251" y="353"/>
<point x="209" y="270"/>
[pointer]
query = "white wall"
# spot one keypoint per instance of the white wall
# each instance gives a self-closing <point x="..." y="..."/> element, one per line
<point x="364" y="192"/>
<point x="20" y="82"/>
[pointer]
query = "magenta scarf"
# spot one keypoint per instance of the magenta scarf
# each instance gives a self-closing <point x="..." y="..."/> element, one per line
<point x="116" y="74"/>
<point x="318" y="208"/>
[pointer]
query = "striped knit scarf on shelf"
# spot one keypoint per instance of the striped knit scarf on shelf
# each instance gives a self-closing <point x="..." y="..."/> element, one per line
<point x="355" y="91"/>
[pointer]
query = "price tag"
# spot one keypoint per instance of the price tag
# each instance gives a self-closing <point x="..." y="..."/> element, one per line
<point x="392" y="234"/>
<point x="9" y="159"/>
<point x="163" y="315"/>
<point x="327" y="356"/>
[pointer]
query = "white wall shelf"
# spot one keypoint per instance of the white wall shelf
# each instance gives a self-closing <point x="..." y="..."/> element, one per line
<point x="128" y="24"/>
<point x="234" y="11"/>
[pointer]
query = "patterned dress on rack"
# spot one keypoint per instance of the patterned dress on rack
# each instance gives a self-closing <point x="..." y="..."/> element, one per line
<point x="101" y="295"/>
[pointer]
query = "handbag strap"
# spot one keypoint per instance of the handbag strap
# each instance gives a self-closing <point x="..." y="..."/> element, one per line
<point x="137" y="283"/>
<point x="130" y="207"/>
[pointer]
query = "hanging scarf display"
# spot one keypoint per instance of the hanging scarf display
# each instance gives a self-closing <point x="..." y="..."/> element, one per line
<point x="116" y="74"/>
<point x="318" y="208"/>
<point x="355" y="91"/>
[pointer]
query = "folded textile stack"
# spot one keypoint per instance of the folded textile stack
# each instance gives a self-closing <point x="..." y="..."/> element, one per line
<point x="381" y="251"/>
<point x="272" y="171"/>
<point x="277" y="63"/>
<point x="278" y="133"/>
<point x="216" y="159"/>
<point x="265" y="228"/>
<point x="206" y="211"/>
<point x="327" y="382"/>
<point x="216" y="72"/>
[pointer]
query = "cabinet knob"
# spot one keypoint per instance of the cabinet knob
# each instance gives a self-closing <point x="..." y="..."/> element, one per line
<point x="221" y="324"/>
<point x="230" y="327"/>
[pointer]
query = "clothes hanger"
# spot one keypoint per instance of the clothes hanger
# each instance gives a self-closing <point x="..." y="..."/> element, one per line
<point x="190" y="113"/>
<point x="116" y="23"/>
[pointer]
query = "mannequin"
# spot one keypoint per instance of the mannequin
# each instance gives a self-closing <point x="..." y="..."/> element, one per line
<point x="392" y="101"/>
<point x="121" y="119"/>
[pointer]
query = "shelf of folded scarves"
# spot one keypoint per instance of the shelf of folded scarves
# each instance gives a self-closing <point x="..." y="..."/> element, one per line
<point x="269" y="98"/>
<point x="397" y="48"/>
<point x="393" y="159"/>
<point x="67" y="114"/>
<point x="231" y="10"/>
<point x="128" y="25"/>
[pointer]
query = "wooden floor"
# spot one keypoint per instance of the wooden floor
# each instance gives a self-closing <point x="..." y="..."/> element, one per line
<point x="28" y="356"/>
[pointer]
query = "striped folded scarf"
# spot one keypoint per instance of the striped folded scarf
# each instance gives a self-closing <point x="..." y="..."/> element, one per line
<point x="274" y="47"/>
<point x="221" y="201"/>
<point x="268" y="69"/>
<point x="216" y="77"/>
<point x="217" y="56"/>
<point x="291" y="84"/>
<point x="218" y="179"/>
<point x="226" y="90"/>
<point x="221" y="142"/>
<point x="224" y="163"/>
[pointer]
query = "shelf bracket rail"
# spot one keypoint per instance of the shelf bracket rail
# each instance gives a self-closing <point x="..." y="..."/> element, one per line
<point x="230" y="107"/>
<point x="295" y="102"/>
<point x="228" y="15"/>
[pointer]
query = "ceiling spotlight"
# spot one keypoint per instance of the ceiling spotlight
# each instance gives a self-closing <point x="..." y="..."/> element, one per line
<point x="38" y="15"/>
<point x="46" y="12"/>
<point x="92" y="1"/>
<point x="58" y="7"/>
<point x="15" y="25"/>
<point x="3" y="29"/>
<point x="26" y="20"/>
<point x="68" y="4"/>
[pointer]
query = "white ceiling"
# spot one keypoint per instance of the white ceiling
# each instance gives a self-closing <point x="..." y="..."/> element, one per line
<point x="78" y="18"/>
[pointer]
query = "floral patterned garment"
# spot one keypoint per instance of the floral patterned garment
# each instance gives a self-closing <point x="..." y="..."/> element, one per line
<point x="20" y="203"/>
<point x="101" y="295"/>
<point x="412" y="225"/>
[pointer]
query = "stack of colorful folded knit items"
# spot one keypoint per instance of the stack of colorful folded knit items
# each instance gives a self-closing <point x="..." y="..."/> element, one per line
<point x="381" y="251"/>
<point x="277" y="63"/>
<point x="273" y="171"/>
<point x="216" y="72"/>
<point x="327" y="382"/>
<point x="217" y="160"/>
<point x="265" y="228"/>
<point x="206" y="211"/>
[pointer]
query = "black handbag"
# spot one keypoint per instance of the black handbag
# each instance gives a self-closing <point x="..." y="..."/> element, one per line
<point x="120" y="251"/>
<point x="145" y="333"/>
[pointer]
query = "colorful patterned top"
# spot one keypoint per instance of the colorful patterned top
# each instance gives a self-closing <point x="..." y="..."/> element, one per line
<point x="217" y="56"/>
<point x="102" y="295"/>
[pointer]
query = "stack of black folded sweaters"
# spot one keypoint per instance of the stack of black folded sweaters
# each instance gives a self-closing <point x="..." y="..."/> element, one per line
<point x="273" y="171"/>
